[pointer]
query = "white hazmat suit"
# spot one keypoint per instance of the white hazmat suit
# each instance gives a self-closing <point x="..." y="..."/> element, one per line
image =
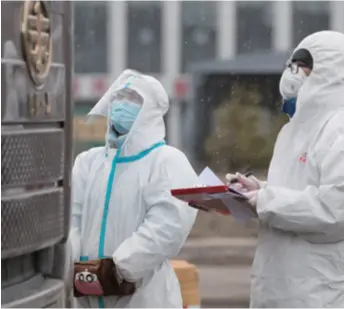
<point x="300" y="255"/>
<point x="122" y="205"/>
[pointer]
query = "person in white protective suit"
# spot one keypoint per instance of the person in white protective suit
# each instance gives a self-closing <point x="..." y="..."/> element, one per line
<point x="121" y="201"/>
<point x="299" y="260"/>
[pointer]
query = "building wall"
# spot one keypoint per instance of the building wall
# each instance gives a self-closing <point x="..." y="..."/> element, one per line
<point x="163" y="37"/>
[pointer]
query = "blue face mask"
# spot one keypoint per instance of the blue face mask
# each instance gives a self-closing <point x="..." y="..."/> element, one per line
<point x="123" y="115"/>
<point x="289" y="107"/>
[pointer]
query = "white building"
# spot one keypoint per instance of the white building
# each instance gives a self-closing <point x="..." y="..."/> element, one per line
<point x="163" y="37"/>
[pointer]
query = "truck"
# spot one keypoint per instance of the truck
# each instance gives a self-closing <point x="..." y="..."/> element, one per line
<point x="36" y="153"/>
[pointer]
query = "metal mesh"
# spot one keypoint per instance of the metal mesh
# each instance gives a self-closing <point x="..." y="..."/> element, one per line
<point x="29" y="223"/>
<point x="31" y="157"/>
<point x="37" y="292"/>
<point x="17" y="270"/>
<point x="57" y="304"/>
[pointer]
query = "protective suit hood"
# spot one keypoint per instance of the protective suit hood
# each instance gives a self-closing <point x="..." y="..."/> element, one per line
<point x="323" y="91"/>
<point x="149" y="127"/>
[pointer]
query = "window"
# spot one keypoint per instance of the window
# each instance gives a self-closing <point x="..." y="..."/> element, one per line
<point x="90" y="36"/>
<point x="199" y="31"/>
<point x="254" y="25"/>
<point x="309" y="17"/>
<point x="144" y="36"/>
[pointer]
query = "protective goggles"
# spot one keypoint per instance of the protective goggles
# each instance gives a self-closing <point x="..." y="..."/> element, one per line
<point x="302" y="58"/>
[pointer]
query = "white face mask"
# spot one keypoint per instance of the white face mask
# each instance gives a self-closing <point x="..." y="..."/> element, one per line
<point x="291" y="83"/>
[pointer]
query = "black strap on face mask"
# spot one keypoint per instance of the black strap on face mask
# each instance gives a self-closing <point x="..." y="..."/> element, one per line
<point x="304" y="56"/>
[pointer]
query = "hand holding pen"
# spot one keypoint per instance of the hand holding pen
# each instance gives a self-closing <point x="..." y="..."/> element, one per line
<point x="243" y="183"/>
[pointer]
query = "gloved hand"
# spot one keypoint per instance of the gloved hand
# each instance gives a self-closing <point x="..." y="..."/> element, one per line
<point x="252" y="197"/>
<point x="125" y="287"/>
<point x="243" y="183"/>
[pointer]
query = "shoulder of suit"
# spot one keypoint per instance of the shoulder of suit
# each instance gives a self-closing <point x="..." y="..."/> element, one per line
<point x="91" y="153"/>
<point x="333" y="128"/>
<point x="336" y="122"/>
<point x="169" y="153"/>
<point x="168" y="150"/>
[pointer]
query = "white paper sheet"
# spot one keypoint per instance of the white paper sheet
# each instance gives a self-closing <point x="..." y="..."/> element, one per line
<point x="208" y="178"/>
<point x="241" y="213"/>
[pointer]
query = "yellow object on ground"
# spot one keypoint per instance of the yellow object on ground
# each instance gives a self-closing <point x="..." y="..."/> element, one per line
<point x="189" y="283"/>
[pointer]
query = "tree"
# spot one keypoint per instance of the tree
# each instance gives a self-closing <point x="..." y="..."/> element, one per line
<point x="244" y="132"/>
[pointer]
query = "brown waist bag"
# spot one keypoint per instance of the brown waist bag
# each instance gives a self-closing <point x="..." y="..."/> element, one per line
<point x="99" y="278"/>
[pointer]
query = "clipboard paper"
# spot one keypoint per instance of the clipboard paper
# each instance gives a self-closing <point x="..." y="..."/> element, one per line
<point x="218" y="199"/>
<point x="202" y="198"/>
<point x="214" y="196"/>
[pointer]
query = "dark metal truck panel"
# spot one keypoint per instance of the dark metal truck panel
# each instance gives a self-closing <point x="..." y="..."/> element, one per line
<point x="36" y="151"/>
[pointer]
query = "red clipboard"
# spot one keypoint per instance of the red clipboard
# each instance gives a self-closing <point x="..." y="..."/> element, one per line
<point x="210" y="198"/>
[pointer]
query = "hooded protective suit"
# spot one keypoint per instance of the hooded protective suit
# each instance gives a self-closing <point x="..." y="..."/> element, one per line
<point x="122" y="206"/>
<point x="299" y="260"/>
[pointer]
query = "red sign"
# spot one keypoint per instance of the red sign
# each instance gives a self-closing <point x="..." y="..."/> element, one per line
<point x="181" y="88"/>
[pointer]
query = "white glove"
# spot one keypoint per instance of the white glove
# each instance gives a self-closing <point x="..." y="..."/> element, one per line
<point x="234" y="185"/>
<point x="252" y="197"/>
<point x="244" y="184"/>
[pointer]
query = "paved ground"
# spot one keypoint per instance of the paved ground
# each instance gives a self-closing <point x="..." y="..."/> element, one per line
<point x="224" y="266"/>
<point x="225" y="287"/>
<point x="219" y="251"/>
